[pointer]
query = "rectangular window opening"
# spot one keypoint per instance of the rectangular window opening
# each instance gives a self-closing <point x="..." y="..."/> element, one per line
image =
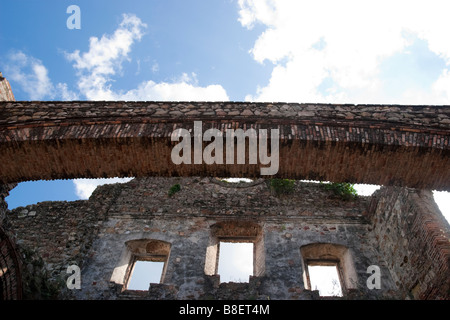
<point x="325" y="278"/>
<point x="235" y="261"/>
<point x="144" y="273"/>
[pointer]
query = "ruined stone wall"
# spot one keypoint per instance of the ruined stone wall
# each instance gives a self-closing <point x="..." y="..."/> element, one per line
<point x="10" y="263"/>
<point x="187" y="220"/>
<point x="414" y="238"/>
<point x="4" y="192"/>
<point x="53" y="235"/>
<point x="6" y="93"/>
<point x="10" y="268"/>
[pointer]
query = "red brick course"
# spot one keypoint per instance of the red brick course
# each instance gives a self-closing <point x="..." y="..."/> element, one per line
<point x="388" y="145"/>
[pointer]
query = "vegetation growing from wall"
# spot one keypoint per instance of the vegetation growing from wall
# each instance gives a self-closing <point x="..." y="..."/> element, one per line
<point x="282" y="186"/>
<point x="344" y="190"/>
<point x="35" y="278"/>
<point x="174" y="189"/>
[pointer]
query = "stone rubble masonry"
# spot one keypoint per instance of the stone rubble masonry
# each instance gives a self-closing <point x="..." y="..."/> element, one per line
<point x="4" y="192"/>
<point x="10" y="263"/>
<point x="414" y="238"/>
<point x="400" y="228"/>
<point x="92" y="234"/>
<point x="6" y="93"/>
<point x="377" y="144"/>
<point x="61" y="232"/>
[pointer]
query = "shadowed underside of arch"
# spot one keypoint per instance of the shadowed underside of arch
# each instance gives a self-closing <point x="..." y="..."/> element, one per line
<point x="373" y="144"/>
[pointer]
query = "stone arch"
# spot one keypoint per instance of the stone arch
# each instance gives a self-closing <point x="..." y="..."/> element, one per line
<point x="143" y="250"/>
<point x="324" y="253"/>
<point x="149" y="248"/>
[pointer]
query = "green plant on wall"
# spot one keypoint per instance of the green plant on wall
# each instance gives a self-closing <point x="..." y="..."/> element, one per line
<point x="343" y="190"/>
<point x="282" y="186"/>
<point x="174" y="189"/>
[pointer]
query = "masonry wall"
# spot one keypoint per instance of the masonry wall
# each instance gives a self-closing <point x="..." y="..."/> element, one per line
<point x="6" y="93"/>
<point x="376" y="144"/>
<point x="10" y="269"/>
<point x="4" y="192"/>
<point x="10" y="264"/>
<point x="93" y="235"/>
<point x="414" y="238"/>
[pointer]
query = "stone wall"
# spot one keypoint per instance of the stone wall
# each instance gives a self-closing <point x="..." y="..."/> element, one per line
<point x="93" y="234"/>
<point x="398" y="229"/>
<point x="53" y="235"/>
<point x="10" y="263"/>
<point x="52" y="112"/>
<point x="6" y="93"/>
<point x="10" y="268"/>
<point x="4" y="192"/>
<point x="414" y="238"/>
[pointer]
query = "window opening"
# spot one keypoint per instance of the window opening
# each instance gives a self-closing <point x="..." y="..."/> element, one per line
<point x="249" y="257"/>
<point x="143" y="261"/>
<point x="144" y="273"/>
<point x="235" y="261"/>
<point x="336" y="256"/>
<point x="325" y="278"/>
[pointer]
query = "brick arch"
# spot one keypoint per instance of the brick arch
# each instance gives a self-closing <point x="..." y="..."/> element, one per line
<point x="10" y="269"/>
<point x="375" y="144"/>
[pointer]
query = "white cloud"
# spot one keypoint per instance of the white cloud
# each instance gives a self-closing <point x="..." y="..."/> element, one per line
<point x="185" y="88"/>
<point x="344" y="43"/>
<point x="103" y="54"/>
<point x="104" y="59"/>
<point x="252" y="11"/>
<point x="97" y="68"/>
<point x="85" y="187"/>
<point x="65" y="93"/>
<point x="30" y="74"/>
<point x="32" y="77"/>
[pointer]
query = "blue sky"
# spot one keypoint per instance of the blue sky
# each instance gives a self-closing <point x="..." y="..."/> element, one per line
<point x="393" y="52"/>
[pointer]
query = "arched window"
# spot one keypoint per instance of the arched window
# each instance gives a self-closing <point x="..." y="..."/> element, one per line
<point x="142" y="261"/>
<point x="330" y="262"/>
